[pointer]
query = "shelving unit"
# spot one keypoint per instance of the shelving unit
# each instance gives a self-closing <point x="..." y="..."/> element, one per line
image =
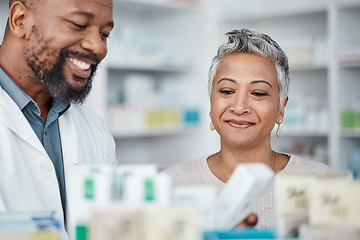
<point x="4" y="7"/>
<point x="151" y="88"/>
<point x="171" y="44"/>
<point x="347" y="70"/>
<point x="322" y="41"/>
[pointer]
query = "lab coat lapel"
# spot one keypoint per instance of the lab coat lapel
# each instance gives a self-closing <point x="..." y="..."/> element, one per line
<point x="12" y="117"/>
<point x="72" y="153"/>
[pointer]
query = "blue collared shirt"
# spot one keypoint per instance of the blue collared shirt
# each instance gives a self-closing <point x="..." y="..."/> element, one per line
<point x="47" y="132"/>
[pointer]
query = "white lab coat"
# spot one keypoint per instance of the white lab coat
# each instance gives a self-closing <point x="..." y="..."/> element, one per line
<point x="27" y="176"/>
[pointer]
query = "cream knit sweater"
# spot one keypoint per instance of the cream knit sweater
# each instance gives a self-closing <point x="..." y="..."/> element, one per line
<point x="197" y="172"/>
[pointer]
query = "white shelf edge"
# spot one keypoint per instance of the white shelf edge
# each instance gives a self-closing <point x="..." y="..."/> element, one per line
<point x="298" y="68"/>
<point x="348" y="4"/>
<point x="154" y="133"/>
<point x="276" y="11"/>
<point x="159" y="5"/>
<point x="148" y="67"/>
<point x="349" y="65"/>
<point x="350" y="133"/>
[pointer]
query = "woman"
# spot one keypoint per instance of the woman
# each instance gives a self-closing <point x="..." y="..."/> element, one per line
<point x="248" y="86"/>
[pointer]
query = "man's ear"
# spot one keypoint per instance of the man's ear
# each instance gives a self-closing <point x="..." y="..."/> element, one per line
<point x="18" y="14"/>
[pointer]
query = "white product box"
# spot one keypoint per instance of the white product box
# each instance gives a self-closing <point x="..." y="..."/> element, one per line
<point x="203" y="198"/>
<point x="147" y="190"/>
<point x="115" y="223"/>
<point x="91" y="186"/>
<point x="145" y="223"/>
<point x="241" y="193"/>
<point x="329" y="233"/>
<point x="126" y="171"/>
<point x="335" y="203"/>
<point x="293" y="191"/>
<point x="171" y="223"/>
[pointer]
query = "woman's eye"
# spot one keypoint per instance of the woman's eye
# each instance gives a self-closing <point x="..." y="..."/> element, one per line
<point x="226" y="91"/>
<point x="260" y="94"/>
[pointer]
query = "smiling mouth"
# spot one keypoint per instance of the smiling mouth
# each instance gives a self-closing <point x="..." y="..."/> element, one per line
<point x="80" y="64"/>
<point x="240" y="124"/>
<point x="80" y="68"/>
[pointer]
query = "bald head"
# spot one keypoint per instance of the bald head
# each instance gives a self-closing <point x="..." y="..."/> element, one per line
<point x="28" y="3"/>
<point x="11" y="2"/>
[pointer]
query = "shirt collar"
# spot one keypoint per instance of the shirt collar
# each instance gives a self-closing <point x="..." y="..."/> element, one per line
<point x="21" y="98"/>
<point x="59" y="107"/>
<point x="14" y="91"/>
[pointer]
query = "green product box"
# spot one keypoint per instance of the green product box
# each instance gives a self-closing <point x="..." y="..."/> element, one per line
<point x="357" y="120"/>
<point x="82" y="232"/>
<point x="348" y="119"/>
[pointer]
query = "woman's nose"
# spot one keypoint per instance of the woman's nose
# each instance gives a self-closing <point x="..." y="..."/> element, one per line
<point x="240" y="104"/>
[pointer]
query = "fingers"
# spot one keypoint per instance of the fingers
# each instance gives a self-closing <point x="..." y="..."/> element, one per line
<point x="252" y="219"/>
<point x="249" y="221"/>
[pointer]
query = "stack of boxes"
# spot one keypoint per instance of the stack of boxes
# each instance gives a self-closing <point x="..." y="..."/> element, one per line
<point x="135" y="202"/>
<point x="129" y="202"/>
<point x="321" y="206"/>
<point x="30" y="226"/>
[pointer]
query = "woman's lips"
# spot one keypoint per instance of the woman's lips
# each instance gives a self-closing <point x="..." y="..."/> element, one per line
<point x="240" y="124"/>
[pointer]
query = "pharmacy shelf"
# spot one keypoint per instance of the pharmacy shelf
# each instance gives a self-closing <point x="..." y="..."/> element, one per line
<point x="308" y="68"/>
<point x="159" y="42"/>
<point x="154" y="133"/>
<point x="350" y="65"/>
<point x="4" y="7"/>
<point x="346" y="71"/>
<point x="161" y="7"/>
<point x="262" y="9"/>
<point x="196" y="28"/>
<point x="305" y="133"/>
<point x="350" y="133"/>
<point x="149" y="68"/>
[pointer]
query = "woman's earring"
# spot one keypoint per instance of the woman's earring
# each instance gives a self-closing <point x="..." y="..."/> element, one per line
<point x="212" y="128"/>
<point x="278" y="130"/>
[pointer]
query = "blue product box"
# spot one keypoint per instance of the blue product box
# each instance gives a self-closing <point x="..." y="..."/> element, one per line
<point x="191" y="117"/>
<point x="242" y="233"/>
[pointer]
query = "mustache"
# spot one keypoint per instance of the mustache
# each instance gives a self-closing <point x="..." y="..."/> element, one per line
<point x="92" y="57"/>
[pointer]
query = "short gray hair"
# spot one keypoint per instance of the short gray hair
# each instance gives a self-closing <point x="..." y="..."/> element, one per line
<point x="248" y="41"/>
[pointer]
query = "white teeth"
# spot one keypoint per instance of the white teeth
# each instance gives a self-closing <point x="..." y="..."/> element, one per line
<point x="80" y="64"/>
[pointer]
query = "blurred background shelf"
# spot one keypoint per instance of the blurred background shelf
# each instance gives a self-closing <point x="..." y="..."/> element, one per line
<point x="152" y="133"/>
<point x="160" y="52"/>
<point x="350" y="133"/>
<point x="154" y="7"/>
<point x="150" y="88"/>
<point x="308" y="68"/>
<point x="149" y="67"/>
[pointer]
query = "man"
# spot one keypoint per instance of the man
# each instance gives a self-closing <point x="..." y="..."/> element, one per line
<point x="48" y="57"/>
